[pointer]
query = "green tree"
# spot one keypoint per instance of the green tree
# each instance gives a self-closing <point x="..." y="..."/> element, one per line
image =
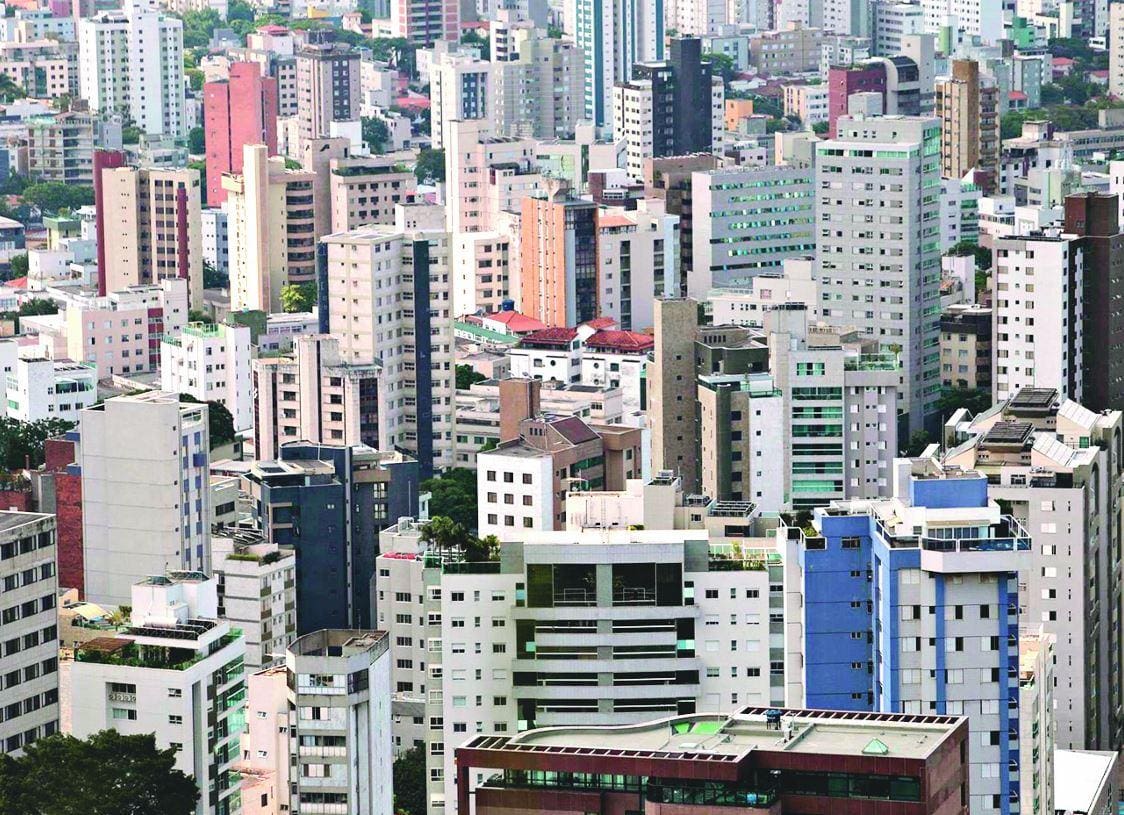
<point x="213" y="278"/>
<point x="18" y="265"/>
<point x="196" y="141"/>
<point x="298" y="297"/>
<point x="409" y="782"/>
<point x="471" y="37"/>
<point x="107" y="774"/>
<point x="239" y="10"/>
<point x="466" y="376"/>
<point x="30" y="308"/>
<point x="444" y="534"/>
<point x="918" y="441"/>
<point x="453" y="495"/>
<point x="199" y="26"/>
<point x="53" y="196"/>
<point x="722" y="65"/>
<point x="430" y="168"/>
<point x="974" y="399"/>
<point x="821" y="128"/>
<point x="375" y="133"/>
<point x="220" y="424"/>
<point x="200" y="166"/>
<point x="196" y="316"/>
<point x="196" y="77"/>
<point x="9" y="90"/>
<point x="21" y="443"/>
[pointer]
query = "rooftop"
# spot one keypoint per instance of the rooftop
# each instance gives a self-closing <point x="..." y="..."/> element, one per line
<point x="730" y="738"/>
<point x="1086" y="773"/>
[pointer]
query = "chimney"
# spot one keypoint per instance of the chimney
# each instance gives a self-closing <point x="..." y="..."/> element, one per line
<point x="519" y="400"/>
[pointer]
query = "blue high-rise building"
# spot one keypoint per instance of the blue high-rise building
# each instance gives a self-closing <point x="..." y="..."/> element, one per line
<point x="910" y="605"/>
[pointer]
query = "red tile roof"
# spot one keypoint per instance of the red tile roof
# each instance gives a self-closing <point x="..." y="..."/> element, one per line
<point x="600" y="322"/>
<point x="1017" y="96"/>
<point x="1062" y="61"/>
<point x="621" y="341"/>
<point x="273" y="29"/>
<point x="516" y="322"/>
<point x="549" y="336"/>
<point x="18" y="283"/>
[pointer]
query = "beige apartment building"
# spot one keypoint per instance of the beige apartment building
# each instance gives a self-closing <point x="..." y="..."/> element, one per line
<point x="365" y="190"/>
<point x="327" y="88"/>
<point x="272" y="232"/>
<point x="314" y="396"/>
<point x="969" y="112"/>
<point x="154" y="228"/>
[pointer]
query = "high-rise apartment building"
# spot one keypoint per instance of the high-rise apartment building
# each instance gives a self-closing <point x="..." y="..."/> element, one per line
<point x="558" y="255"/>
<point x="145" y="491"/>
<point x="654" y="627"/>
<point x="131" y="62"/>
<point x="1038" y="329"/>
<point x="537" y="92"/>
<point x="257" y="593"/>
<point x="328" y="503"/>
<point x="910" y="604"/>
<point x="315" y="395"/>
<point x="270" y="229"/>
<point x="177" y="672"/>
<point x="1092" y="218"/>
<point x="878" y="244"/>
<point x="486" y="176"/>
<point x="1056" y="466"/>
<point x="613" y="35"/>
<point x="389" y="300"/>
<point x="746" y="221"/>
<point x="327" y="87"/>
<point x="237" y="111"/>
<point x="150" y="228"/>
<point x="30" y="699"/>
<point x="978" y="18"/>
<point x="365" y="190"/>
<point x="637" y="252"/>
<point x="460" y="91"/>
<point x="669" y="108"/>
<point x="61" y="147"/>
<point x="210" y="361"/>
<point x="1116" y="49"/>
<point x="425" y="22"/>
<point x="968" y="107"/>
<point x="339" y="738"/>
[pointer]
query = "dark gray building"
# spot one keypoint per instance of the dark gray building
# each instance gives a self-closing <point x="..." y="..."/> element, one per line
<point x="328" y="504"/>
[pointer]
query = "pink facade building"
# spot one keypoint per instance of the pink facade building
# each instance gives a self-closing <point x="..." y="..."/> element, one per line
<point x="238" y="111"/>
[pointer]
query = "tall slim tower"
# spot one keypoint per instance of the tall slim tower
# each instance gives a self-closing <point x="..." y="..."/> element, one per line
<point x="878" y="244"/>
<point x="614" y="35"/>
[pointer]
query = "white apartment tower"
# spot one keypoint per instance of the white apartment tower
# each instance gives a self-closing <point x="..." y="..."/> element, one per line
<point x="1037" y="319"/>
<point x="390" y="302"/>
<point x="30" y="698"/>
<point x="613" y="35"/>
<point x="131" y="62"/>
<point x="339" y="698"/>
<point x="211" y="363"/>
<point x="878" y="243"/>
<point x="145" y="491"/>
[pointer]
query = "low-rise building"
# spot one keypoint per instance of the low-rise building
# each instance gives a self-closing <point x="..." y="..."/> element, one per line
<point x="775" y="759"/>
